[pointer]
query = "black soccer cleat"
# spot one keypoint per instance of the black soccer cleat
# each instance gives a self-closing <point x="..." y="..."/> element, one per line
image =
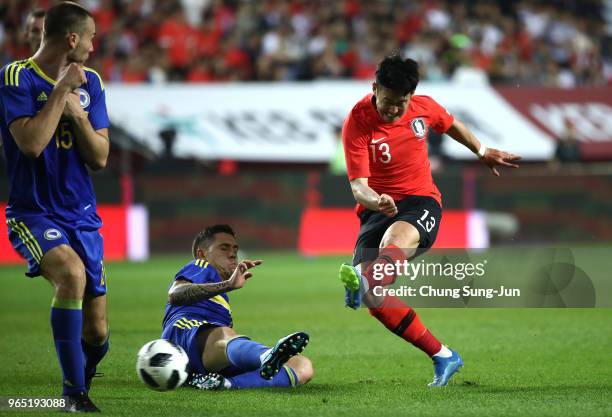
<point x="284" y="349"/>
<point x="79" y="403"/>
<point x="90" y="377"/>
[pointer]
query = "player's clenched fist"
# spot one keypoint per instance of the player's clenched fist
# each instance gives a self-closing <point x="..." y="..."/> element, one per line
<point x="72" y="76"/>
<point x="73" y="109"/>
<point x="386" y="205"/>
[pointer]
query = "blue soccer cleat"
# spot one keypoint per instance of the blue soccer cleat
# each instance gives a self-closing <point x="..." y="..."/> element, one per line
<point x="351" y="278"/>
<point x="284" y="349"/>
<point x="445" y="368"/>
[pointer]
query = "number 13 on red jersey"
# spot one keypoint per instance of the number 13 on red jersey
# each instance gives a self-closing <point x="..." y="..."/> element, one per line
<point x="384" y="152"/>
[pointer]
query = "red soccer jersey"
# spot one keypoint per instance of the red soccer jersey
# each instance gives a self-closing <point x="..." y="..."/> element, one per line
<point x="393" y="156"/>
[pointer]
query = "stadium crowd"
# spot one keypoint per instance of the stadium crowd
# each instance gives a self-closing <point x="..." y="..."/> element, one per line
<point x="552" y="43"/>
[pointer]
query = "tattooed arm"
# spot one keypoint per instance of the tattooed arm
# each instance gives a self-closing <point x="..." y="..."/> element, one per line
<point x="184" y="292"/>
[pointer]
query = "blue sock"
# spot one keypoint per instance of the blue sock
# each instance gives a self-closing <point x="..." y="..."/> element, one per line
<point x="245" y="354"/>
<point x="93" y="356"/>
<point x="286" y="377"/>
<point x="67" y="325"/>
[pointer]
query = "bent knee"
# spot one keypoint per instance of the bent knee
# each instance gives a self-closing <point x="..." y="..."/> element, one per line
<point x="302" y="366"/>
<point x="96" y="333"/>
<point x="63" y="267"/>
<point x="405" y="241"/>
<point x="401" y="234"/>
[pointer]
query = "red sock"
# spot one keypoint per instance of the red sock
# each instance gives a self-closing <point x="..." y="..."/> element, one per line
<point x="382" y="271"/>
<point x="404" y="322"/>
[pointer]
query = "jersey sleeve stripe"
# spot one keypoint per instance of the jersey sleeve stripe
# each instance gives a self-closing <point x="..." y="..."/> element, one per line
<point x="221" y="301"/>
<point x="20" y="67"/>
<point x="183" y="322"/>
<point x="12" y="74"/>
<point x="14" y="68"/>
<point x="201" y="263"/>
<point x="98" y="75"/>
<point x="8" y="75"/>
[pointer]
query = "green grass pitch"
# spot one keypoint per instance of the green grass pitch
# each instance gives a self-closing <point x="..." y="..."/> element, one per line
<point x="518" y="362"/>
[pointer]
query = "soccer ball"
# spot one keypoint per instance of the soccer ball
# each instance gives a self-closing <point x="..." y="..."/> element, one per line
<point x="162" y="365"/>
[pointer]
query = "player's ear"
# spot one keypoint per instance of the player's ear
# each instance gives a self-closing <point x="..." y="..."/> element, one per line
<point x="374" y="87"/>
<point x="73" y="39"/>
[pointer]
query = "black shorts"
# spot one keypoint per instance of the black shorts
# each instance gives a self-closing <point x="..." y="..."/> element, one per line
<point x="424" y="213"/>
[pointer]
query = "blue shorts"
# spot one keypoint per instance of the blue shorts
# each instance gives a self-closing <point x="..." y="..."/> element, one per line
<point x="184" y="333"/>
<point x="32" y="237"/>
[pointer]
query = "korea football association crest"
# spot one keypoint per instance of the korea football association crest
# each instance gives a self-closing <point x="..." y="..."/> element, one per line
<point x="419" y="127"/>
<point x="84" y="97"/>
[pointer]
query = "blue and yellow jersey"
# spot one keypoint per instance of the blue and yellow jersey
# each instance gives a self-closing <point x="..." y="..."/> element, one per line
<point x="215" y="310"/>
<point x="57" y="182"/>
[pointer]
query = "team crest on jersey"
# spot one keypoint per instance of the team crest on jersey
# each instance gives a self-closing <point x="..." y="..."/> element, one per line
<point x="52" y="234"/>
<point x="83" y="97"/>
<point x="419" y="127"/>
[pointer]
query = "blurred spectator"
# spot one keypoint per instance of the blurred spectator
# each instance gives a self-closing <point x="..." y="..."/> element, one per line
<point x="34" y="29"/>
<point x="568" y="147"/>
<point x="337" y="164"/>
<point x="555" y="43"/>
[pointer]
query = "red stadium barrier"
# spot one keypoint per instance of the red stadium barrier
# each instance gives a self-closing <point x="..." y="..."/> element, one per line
<point x="327" y="231"/>
<point x="114" y="232"/>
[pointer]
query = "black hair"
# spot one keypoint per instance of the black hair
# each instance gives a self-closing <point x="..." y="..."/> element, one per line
<point x="206" y="236"/>
<point x="64" y="18"/>
<point x="398" y="74"/>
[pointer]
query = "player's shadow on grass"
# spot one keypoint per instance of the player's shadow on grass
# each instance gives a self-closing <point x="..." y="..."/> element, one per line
<point x="306" y="390"/>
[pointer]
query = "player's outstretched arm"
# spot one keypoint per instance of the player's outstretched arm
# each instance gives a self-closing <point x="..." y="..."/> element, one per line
<point x="493" y="158"/>
<point x="184" y="292"/>
<point x="370" y="199"/>
<point x="33" y="134"/>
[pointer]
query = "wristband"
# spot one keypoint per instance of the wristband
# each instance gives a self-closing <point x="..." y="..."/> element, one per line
<point x="481" y="152"/>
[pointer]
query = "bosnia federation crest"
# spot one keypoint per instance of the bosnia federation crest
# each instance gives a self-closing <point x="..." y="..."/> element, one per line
<point x="419" y="127"/>
<point x="52" y="234"/>
<point x="83" y="97"/>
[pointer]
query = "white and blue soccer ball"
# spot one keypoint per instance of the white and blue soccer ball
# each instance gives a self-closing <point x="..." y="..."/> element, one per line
<point x="162" y="365"/>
